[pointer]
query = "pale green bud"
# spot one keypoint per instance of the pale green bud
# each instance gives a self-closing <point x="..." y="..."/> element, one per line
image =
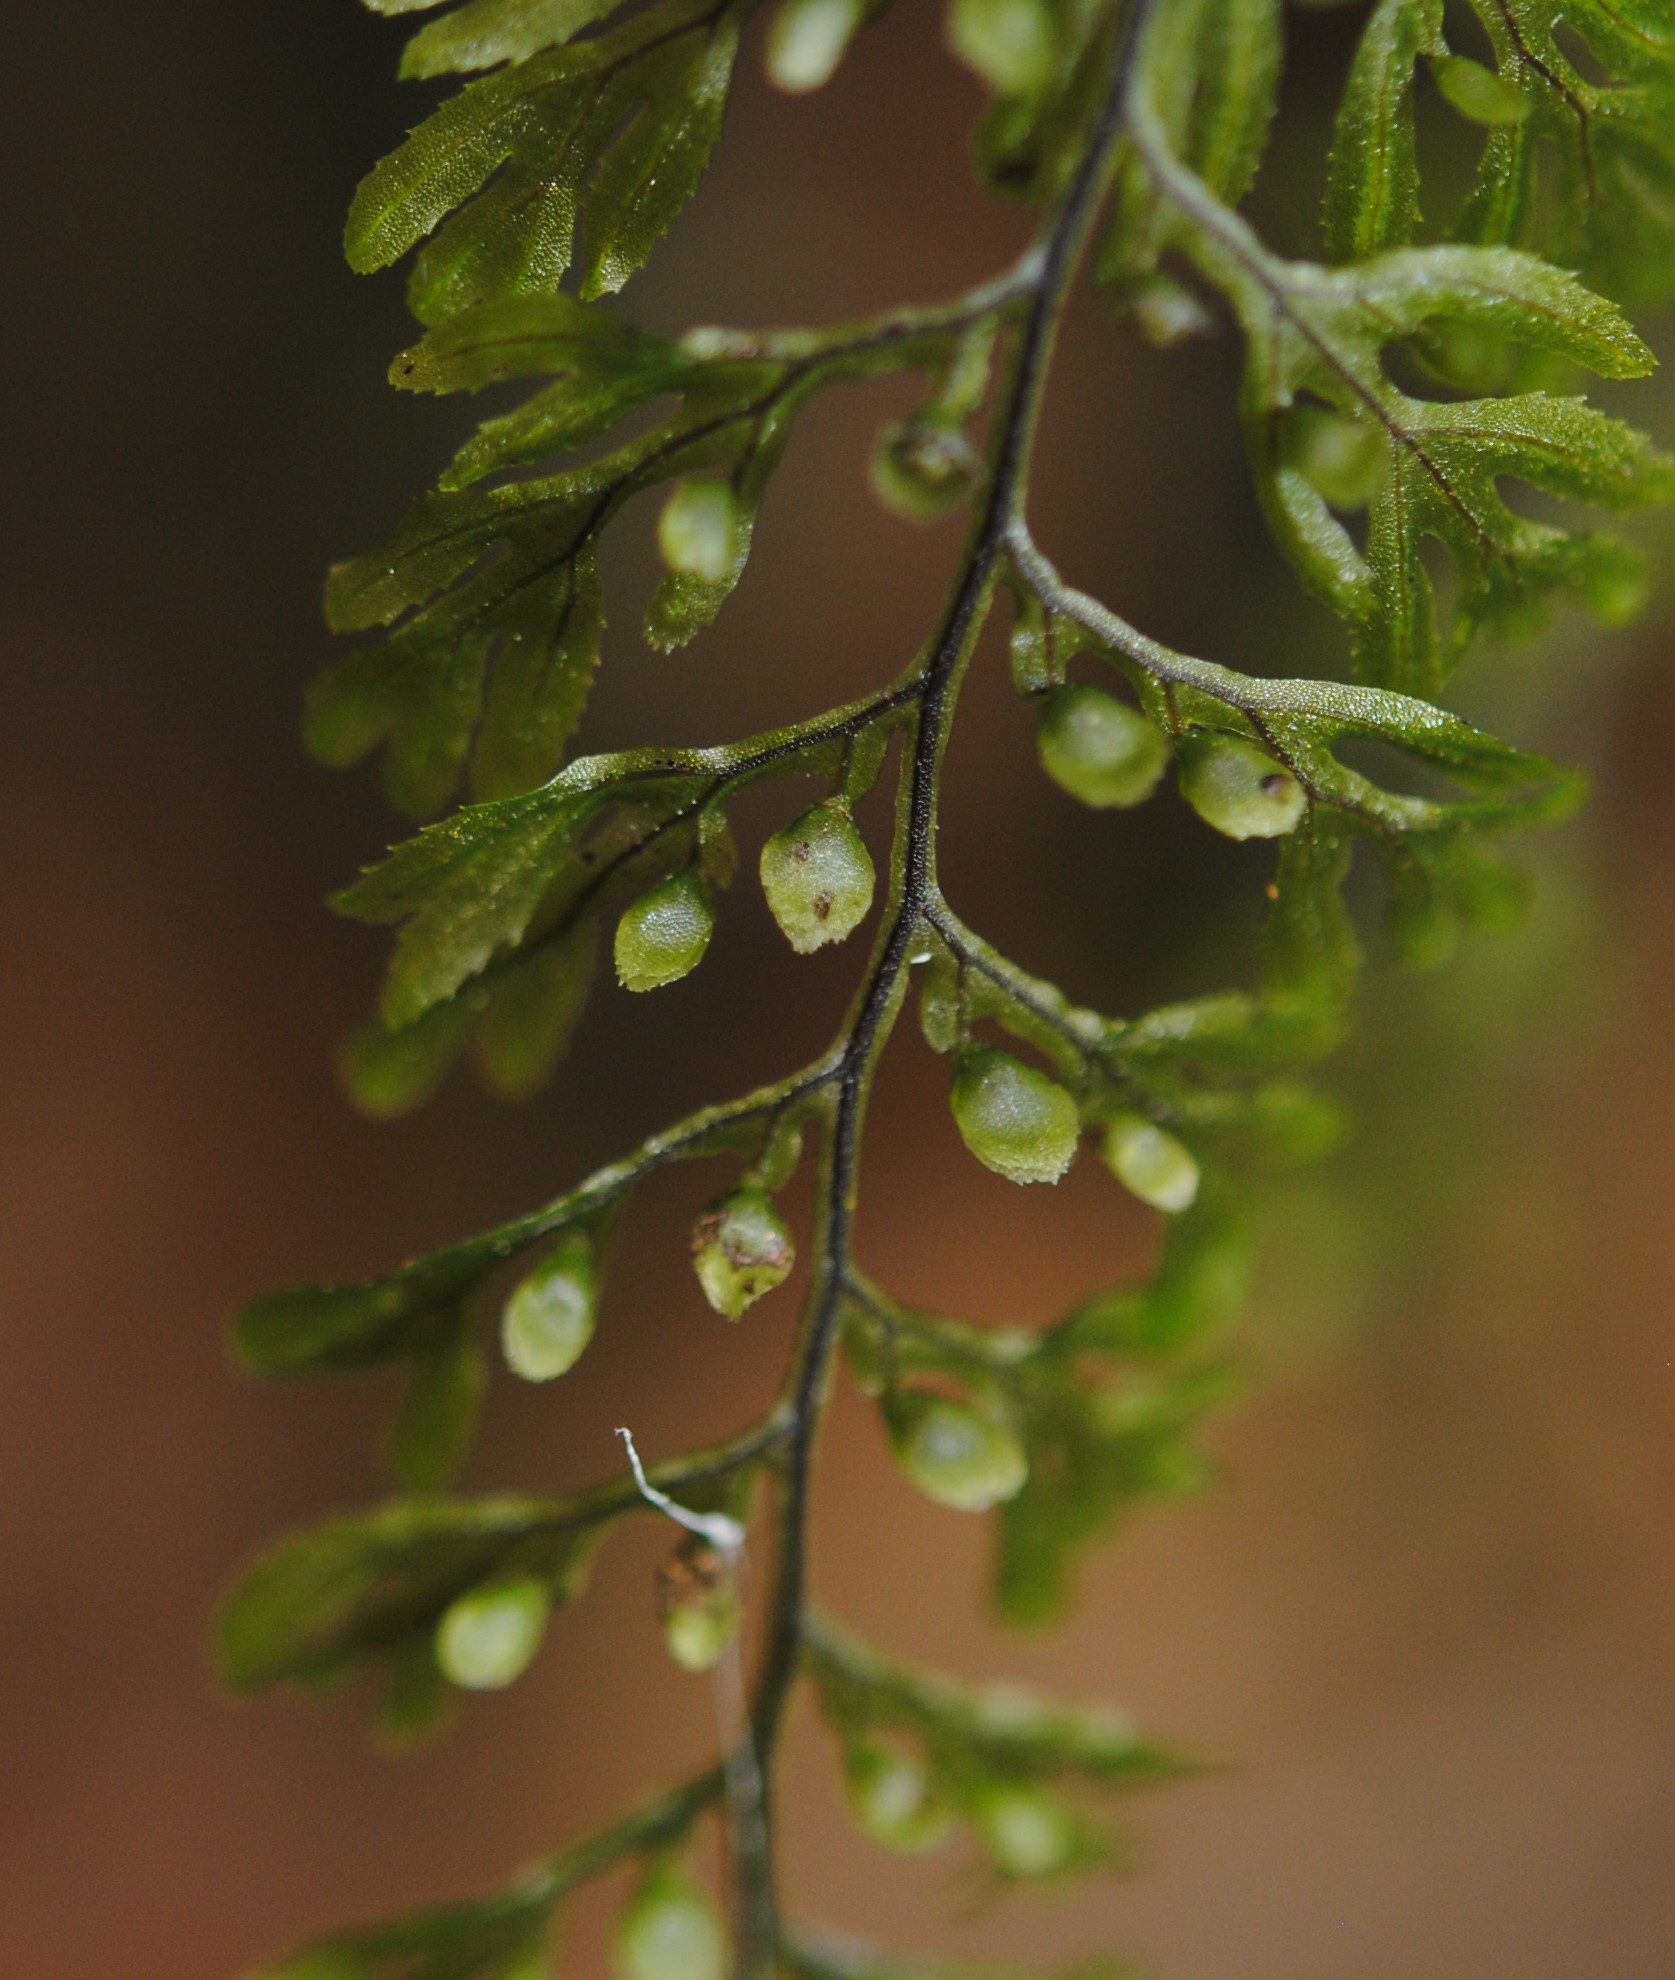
<point x="1616" y="586"/>
<point x="818" y="877"/>
<point x="536" y="1964"/>
<point x="663" y="935"/>
<point x="669" y="1930"/>
<point x="922" y="469"/>
<point x="1025" y="1832"/>
<point x="1014" y="1119"/>
<point x="807" y="41"/>
<point x="1165" y="313"/>
<point x="698" y="531"/>
<point x="697" y="1604"/>
<point x="1479" y="94"/>
<point x="489" y="1637"/>
<point x="549" y="1318"/>
<point x="1008" y="42"/>
<point x="1151" y="1163"/>
<point x="958" y="1454"/>
<point x="1239" y="788"/>
<point x="1344" y="458"/>
<point x="1030" y="650"/>
<point x="741" y="1249"/>
<point x="894" y="1800"/>
<point x="1099" y="749"/>
<point x="940" y="1013"/>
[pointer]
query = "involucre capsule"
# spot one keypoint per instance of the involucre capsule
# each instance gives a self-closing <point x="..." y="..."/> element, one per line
<point x="489" y="1637"/>
<point x="957" y="1453"/>
<point x="1240" y="789"/>
<point x="741" y="1249"/>
<point x="669" y="1930"/>
<point x="894" y="1799"/>
<point x="1025" y="1832"/>
<point x="663" y="935"/>
<point x="1150" y="1162"/>
<point x="807" y="40"/>
<point x="1014" y="1119"/>
<point x="1099" y="749"/>
<point x="818" y="877"/>
<point x="1008" y="42"/>
<point x="698" y="530"/>
<point x="697" y="1604"/>
<point x="922" y="469"/>
<point x="549" y="1318"/>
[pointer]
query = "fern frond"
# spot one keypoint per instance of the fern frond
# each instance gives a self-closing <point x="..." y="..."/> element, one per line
<point x="500" y="585"/>
<point x="1372" y="184"/>
<point x="611" y="135"/>
<point x="1390" y="394"/>
<point x="1431" y="466"/>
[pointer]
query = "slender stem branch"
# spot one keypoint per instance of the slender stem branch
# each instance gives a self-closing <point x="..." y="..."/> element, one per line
<point x="914" y="863"/>
<point x="1221" y="233"/>
<point x="1083" y="1031"/>
<point x="459" y="1269"/>
<point x="1256" y="700"/>
<point x="661" y="1820"/>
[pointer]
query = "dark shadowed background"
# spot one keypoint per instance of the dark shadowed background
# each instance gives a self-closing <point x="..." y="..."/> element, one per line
<point x="1428" y="1622"/>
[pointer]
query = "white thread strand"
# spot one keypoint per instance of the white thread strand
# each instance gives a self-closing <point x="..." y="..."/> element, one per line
<point x="747" y="1825"/>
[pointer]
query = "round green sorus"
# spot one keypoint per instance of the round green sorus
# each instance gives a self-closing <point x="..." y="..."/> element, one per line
<point x="807" y="40"/>
<point x="663" y="935"/>
<point x="957" y="1453"/>
<point x="548" y="1320"/>
<point x="1240" y="789"/>
<point x="1150" y="1162"/>
<point x="741" y="1249"/>
<point x="894" y="1800"/>
<point x="489" y="1637"/>
<point x="1014" y="1119"/>
<point x="1025" y="1832"/>
<point x="698" y="530"/>
<point x="669" y="1930"/>
<point x="1008" y="42"/>
<point x="697" y="1604"/>
<point x="1099" y="749"/>
<point x="818" y="877"/>
<point x="922" y="469"/>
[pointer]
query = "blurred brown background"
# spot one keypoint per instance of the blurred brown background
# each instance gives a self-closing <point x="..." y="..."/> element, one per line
<point x="1429" y="1623"/>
